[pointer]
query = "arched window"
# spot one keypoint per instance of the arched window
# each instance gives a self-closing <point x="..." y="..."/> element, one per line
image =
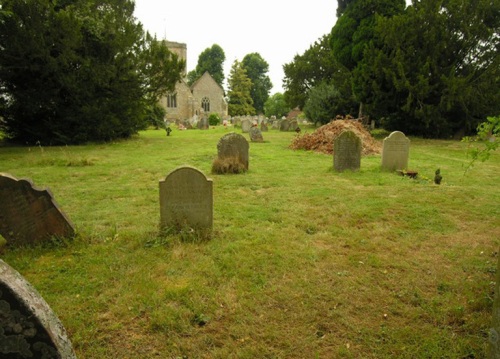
<point x="172" y="100"/>
<point x="205" y="104"/>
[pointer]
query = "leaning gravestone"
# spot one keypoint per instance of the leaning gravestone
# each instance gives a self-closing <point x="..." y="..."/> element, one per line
<point x="246" y="125"/>
<point x="256" y="134"/>
<point x="28" y="327"/>
<point x="28" y="214"/>
<point x="284" y="125"/>
<point x="347" y="152"/>
<point x="186" y="200"/>
<point x="395" y="152"/>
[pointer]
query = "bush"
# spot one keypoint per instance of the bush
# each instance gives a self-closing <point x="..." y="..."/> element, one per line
<point x="214" y="119"/>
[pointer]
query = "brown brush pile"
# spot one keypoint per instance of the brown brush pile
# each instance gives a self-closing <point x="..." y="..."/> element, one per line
<point x="321" y="140"/>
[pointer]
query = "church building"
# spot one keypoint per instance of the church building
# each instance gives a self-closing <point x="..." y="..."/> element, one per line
<point x="204" y="97"/>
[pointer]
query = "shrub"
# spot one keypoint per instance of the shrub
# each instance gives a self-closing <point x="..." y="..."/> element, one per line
<point x="214" y="119"/>
<point x="227" y="165"/>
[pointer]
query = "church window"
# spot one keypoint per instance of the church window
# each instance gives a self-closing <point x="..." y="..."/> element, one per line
<point x="172" y="100"/>
<point x="205" y="104"/>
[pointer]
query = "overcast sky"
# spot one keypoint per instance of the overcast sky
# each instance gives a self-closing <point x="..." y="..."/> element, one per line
<point x="277" y="30"/>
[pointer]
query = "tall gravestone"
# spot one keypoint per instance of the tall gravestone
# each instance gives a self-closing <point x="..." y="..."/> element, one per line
<point x="395" y="152"/>
<point x="246" y="125"/>
<point x="186" y="200"/>
<point x="347" y="152"/>
<point x="233" y="147"/>
<point x="28" y="214"/>
<point x="28" y="327"/>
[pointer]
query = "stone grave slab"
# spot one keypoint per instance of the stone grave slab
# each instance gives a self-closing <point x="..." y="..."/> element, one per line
<point x="29" y="328"/>
<point x="347" y="152"/>
<point x="395" y="152"/>
<point x="233" y="146"/>
<point x="256" y="134"/>
<point x="186" y="200"/>
<point x="246" y="125"/>
<point x="264" y="127"/>
<point x="284" y="125"/>
<point x="29" y="214"/>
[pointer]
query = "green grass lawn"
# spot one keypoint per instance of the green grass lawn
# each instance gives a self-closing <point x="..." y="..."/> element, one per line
<point x="303" y="262"/>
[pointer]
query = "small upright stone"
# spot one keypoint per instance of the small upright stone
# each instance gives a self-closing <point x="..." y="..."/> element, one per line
<point x="395" y="152"/>
<point x="256" y="134"/>
<point x="232" y="154"/>
<point x="246" y="124"/>
<point x="347" y="152"/>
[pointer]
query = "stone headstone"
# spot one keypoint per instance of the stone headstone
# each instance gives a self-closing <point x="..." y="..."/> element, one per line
<point x="203" y="123"/>
<point x="347" y="152"/>
<point x="186" y="200"/>
<point x="256" y="134"/>
<point x="294" y="124"/>
<point x="233" y="146"/>
<point x="29" y="214"/>
<point x="395" y="152"/>
<point x="275" y="125"/>
<point x="246" y="125"/>
<point x="28" y="327"/>
<point x="284" y="125"/>
<point x="263" y="126"/>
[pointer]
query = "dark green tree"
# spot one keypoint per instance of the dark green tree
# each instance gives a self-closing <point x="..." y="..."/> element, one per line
<point x="211" y="60"/>
<point x="325" y="102"/>
<point x="276" y="106"/>
<point x="436" y="69"/>
<point x="315" y="66"/>
<point x="77" y="71"/>
<point x="257" y="69"/>
<point x="240" y="85"/>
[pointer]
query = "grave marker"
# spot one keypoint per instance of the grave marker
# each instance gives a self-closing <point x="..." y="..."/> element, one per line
<point x="347" y="152"/>
<point x="246" y="125"/>
<point x="232" y="149"/>
<point x="28" y="327"/>
<point x="29" y="214"/>
<point x="186" y="200"/>
<point x="395" y="152"/>
<point x="256" y="134"/>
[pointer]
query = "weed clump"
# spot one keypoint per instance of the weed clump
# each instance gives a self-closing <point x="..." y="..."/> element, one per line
<point x="228" y="165"/>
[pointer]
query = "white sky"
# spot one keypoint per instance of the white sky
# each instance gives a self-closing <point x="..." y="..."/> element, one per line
<point x="277" y="30"/>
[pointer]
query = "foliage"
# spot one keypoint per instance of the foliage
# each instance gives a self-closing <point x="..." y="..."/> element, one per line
<point x="325" y="102"/>
<point x="211" y="60"/>
<point x="77" y="71"/>
<point x="316" y="65"/>
<point x="214" y="119"/>
<point x="240" y="85"/>
<point x="257" y="69"/>
<point x="276" y="106"/>
<point x="435" y="70"/>
<point x="155" y="115"/>
<point x="488" y="133"/>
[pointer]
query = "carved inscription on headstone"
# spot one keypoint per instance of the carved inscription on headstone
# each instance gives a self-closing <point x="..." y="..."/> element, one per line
<point x="186" y="200"/>
<point x="233" y="146"/>
<point x="28" y="327"/>
<point x="29" y="214"/>
<point x="395" y="152"/>
<point x="347" y="152"/>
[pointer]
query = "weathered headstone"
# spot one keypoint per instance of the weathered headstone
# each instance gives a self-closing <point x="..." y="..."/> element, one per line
<point x="347" y="152"/>
<point x="203" y="123"/>
<point x="246" y="125"/>
<point x="264" y="127"/>
<point x="28" y="214"/>
<point x="284" y="125"/>
<point x="293" y="125"/>
<point x="395" y="152"/>
<point x="186" y="200"/>
<point x="28" y="327"/>
<point x="232" y="154"/>
<point x="256" y="134"/>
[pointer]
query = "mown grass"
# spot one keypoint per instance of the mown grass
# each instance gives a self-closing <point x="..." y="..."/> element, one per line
<point x="303" y="262"/>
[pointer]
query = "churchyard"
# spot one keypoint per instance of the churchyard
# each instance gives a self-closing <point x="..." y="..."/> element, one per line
<point x="302" y="261"/>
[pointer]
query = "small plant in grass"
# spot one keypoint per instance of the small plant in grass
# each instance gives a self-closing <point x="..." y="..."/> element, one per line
<point x="214" y="119"/>
<point x="228" y="165"/>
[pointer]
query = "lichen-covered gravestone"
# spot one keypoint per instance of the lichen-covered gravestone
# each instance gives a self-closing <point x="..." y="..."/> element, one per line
<point x="395" y="152"/>
<point x="264" y="127"/>
<point x="294" y="124"/>
<point x="28" y="327"/>
<point x="284" y="125"/>
<point x="232" y="150"/>
<point x="347" y="152"/>
<point x="28" y="214"/>
<point x="186" y="200"/>
<point x="256" y="134"/>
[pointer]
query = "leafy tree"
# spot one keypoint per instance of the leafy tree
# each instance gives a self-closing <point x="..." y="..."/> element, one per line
<point x="240" y="85"/>
<point x="76" y="71"/>
<point x="257" y="69"/>
<point x="487" y="134"/>
<point x="436" y="68"/>
<point x="325" y="102"/>
<point x="276" y="106"/>
<point x="211" y="60"/>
